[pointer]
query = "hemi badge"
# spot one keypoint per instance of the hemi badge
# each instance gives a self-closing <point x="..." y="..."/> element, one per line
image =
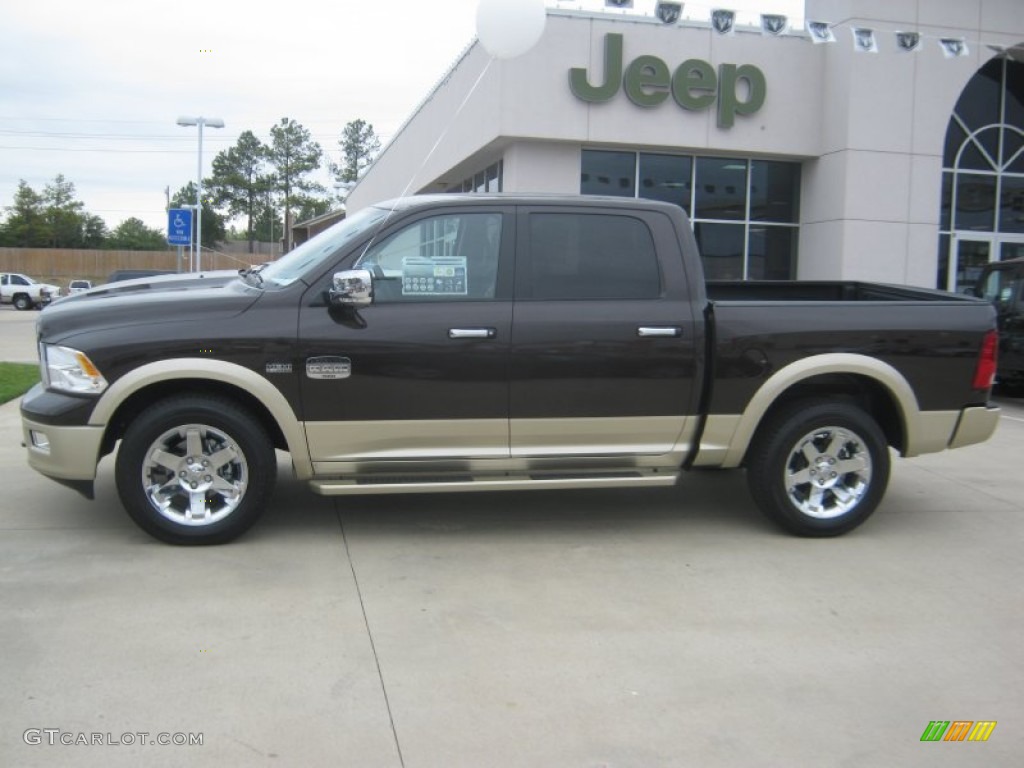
<point x="279" y="367"/>
<point x="328" y="367"/>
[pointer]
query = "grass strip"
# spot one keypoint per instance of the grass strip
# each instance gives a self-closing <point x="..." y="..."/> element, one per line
<point x="16" y="379"/>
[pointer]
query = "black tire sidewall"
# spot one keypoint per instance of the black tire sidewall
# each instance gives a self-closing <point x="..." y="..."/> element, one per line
<point x="772" y="450"/>
<point x="221" y="414"/>
<point x="22" y="303"/>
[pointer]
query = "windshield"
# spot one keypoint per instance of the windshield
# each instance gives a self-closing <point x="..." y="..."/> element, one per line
<point x="314" y="252"/>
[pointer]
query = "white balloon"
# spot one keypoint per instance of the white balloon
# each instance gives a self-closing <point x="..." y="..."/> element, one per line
<point x="509" y="28"/>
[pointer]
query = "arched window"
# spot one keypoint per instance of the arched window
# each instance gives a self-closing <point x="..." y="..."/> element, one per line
<point x="982" y="216"/>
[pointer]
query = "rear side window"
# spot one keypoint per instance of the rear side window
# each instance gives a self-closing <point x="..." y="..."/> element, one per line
<point x="591" y="256"/>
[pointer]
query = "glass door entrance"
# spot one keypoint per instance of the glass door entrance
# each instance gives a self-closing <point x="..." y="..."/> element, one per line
<point x="971" y="256"/>
<point x="1011" y="249"/>
<point x="970" y="252"/>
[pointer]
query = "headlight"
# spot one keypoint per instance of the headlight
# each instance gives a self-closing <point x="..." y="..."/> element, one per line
<point x="69" y="370"/>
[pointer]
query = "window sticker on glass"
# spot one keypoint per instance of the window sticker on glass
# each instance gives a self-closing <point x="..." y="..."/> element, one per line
<point x="437" y="276"/>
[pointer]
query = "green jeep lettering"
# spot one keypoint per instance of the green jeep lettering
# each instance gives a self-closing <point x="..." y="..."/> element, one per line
<point x="694" y="84"/>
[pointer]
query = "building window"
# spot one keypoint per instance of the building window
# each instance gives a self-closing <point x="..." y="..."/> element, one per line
<point x="981" y="208"/>
<point x="490" y="179"/>
<point x="745" y="213"/>
<point x="608" y="173"/>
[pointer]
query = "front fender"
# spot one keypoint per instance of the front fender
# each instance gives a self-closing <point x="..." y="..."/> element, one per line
<point x="215" y="370"/>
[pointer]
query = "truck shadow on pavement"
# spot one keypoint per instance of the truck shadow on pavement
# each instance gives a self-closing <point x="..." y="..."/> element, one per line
<point x="704" y="501"/>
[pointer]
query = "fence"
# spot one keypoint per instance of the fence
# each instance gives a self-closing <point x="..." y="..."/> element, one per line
<point x="60" y="265"/>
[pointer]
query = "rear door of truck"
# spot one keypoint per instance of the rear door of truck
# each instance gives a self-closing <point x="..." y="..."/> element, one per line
<point x="604" y="355"/>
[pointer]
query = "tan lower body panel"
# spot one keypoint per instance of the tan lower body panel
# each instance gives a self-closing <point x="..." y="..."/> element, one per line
<point x="343" y="441"/>
<point x="70" y="454"/>
<point x="641" y="435"/>
<point x="355" y="445"/>
<point x="976" y="426"/>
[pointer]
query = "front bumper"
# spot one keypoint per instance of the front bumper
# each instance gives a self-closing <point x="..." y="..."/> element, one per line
<point x="60" y="442"/>
<point x="60" y="452"/>
<point x="976" y="425"/>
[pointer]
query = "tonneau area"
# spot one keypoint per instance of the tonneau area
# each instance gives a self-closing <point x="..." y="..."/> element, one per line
<point x="835" y="290"/>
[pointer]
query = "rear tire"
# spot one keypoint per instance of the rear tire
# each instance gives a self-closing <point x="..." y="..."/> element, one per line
<point x="195" y="470"/>
<point x="819" y="468"/>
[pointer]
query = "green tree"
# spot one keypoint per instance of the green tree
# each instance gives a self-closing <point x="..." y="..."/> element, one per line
<point x="94" y="231"/>
<point x="133" y="235"/>
<point x="65" y="217"/>
<point x="238" y="182"/>
<point x="359" y="146"/>
<point x="268" y="226"/>
<point x="25" y="226"/>
<point x="310" y="207"/>
<point x="294" y="155"/>
<point x="214" y="229"/>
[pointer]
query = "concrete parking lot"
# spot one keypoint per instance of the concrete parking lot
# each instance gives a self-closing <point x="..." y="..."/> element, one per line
<point x="667" y="627"/>
<point x="17" y="335"/>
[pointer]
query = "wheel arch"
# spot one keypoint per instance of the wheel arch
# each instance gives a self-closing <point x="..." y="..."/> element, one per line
<point x="136" y="390"/>
<point x="873" y="384"/>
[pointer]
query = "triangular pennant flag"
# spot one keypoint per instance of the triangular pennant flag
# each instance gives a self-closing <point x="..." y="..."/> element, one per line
<point x="953" y="47"/>
<point x="773" y="24"/>
<point x="908" y="42"/>
<point x="723" y="21"/>
<point x="864" y="40"/>
<point x="820" y="32"/>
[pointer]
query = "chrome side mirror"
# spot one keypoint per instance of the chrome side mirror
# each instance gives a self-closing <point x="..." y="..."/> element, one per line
<point x="352" y="288"/>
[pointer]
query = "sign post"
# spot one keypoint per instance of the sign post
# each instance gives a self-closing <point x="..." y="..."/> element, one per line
<point x="179" y="229"/>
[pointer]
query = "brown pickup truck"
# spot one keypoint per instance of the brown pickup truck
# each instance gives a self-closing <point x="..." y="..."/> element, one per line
<point x="490" y="342"/>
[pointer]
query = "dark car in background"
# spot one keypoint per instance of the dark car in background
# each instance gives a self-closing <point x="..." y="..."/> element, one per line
<point x="1002" y="283"/>
<point x="119" y="275"/>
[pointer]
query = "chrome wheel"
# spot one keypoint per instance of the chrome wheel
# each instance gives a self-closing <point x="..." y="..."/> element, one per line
<point x="195" y="475"/>
<point x="828" y="472"/>
<point x="819" y="467"/>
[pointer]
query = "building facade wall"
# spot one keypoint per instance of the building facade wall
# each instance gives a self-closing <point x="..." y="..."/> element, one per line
<point x="867" y="129"/>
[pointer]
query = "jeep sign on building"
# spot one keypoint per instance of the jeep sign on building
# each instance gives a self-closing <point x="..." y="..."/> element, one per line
<point x="893" y="155"/>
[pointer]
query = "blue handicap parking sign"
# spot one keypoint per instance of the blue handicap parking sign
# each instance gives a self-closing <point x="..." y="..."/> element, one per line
<point x="179" y="226"/>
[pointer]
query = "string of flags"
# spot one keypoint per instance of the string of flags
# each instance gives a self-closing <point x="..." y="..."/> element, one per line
<point x="865" y="39"/>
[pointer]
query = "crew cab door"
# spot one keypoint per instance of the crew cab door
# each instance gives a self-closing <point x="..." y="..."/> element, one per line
<point x="421" y="373"/>
<point x="604" y="339"/>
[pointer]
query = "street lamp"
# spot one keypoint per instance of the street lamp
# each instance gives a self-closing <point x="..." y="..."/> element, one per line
<point x="213" y="122"/>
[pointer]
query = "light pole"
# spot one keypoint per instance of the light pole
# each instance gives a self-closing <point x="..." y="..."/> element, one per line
<point x="213" y="122"/>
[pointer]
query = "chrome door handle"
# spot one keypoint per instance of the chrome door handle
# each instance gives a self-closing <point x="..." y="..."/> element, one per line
<point x="472" y="333"/>
<point x="666" y="331"/>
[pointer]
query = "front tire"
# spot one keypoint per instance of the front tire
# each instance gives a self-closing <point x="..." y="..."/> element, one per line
<point x="22" y="302"/>
<point x="195" y="470"/>
<point x="819" y="468"/>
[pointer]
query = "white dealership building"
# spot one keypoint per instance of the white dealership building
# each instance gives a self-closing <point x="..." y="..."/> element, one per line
<point x="894" y="155"/>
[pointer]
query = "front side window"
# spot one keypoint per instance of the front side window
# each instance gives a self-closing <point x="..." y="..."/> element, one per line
<point x="450" y="257"/>
<point x="591" y="256"/>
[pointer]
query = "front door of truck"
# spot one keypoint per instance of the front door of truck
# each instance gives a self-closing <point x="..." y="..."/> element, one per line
<point x="421" y="373"/>
<point x="603" y="340"/>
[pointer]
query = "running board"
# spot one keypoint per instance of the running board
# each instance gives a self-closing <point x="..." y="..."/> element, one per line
<point x="459" y="483"/>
